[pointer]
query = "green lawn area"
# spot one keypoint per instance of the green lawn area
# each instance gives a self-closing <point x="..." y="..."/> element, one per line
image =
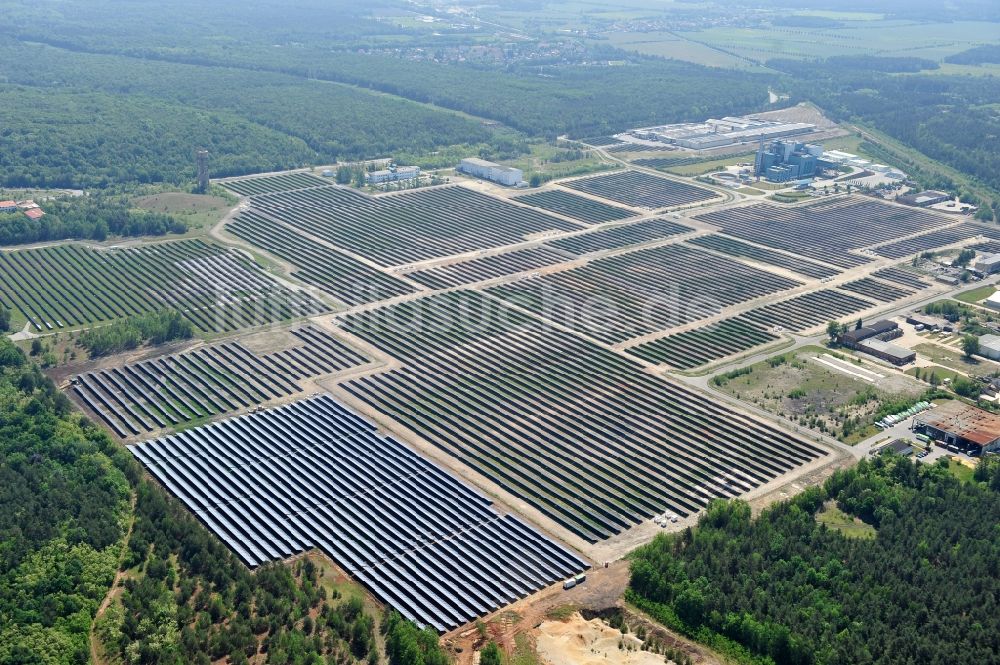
<point x="790" y="197"/>
<point x="835" y="518"/>
<point x="955" y="360"/>
<point x="708" y="165"/>
<point x="976" y="294"/>
<point x="199" y="211"/>
<point x="960" y="471"/>
<point x="941" y="372"/>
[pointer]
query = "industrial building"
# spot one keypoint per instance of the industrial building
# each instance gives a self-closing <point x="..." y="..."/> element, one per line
<point x="480" y="168"/>
<point x="898" y="446"/>
<point x="961" y="427"/>
<point x="783" y="161"/>
<point x="924" y="199"/>
<point x="993" y="302"/>
<point x="8" y="206"/>
<point x="927" y="322"/>
<point x="392" y="174"/>
<point x="989" y="346"/>
<point x="893" y="353"/>
<point x="715" y="133"/>
<point x="987" y="264"/>
<point x="883" y="330"/>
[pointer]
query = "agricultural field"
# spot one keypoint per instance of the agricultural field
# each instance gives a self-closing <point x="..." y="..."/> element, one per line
<point x="217" y="289"/>
<point x="489" y="267"/>
<point x="315" y="474"/>
<point x="620" y="236"/>
<point x="887" y="37"/>
<point x="815" y="388"/>
<point x="578" y="207"/>
<point x="802" y="312"/>
<point x="740" y="249"/>
<point x="693" y="348"/>
<point x="397" y="229"/>
<point x="343" y="277"/>
<point x="182" y="388"/>
<point x="275" y="183"/>
<point x="826" y="231"/>
<point x="585" y="436"/>
<point x="640" y="292"/>
<point x="641" y="190"/>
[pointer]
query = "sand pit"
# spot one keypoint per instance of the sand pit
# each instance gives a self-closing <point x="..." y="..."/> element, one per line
<point x="582" y="642"/>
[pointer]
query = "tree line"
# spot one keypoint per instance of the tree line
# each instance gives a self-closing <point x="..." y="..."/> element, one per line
<point x="785" y="588"/>
<point x="131" y="332"/>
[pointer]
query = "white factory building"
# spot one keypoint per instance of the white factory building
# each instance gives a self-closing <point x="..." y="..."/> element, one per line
<point x="720" y="132"/>
<point x="480" y="168"/>
<point x="394" y="174"/>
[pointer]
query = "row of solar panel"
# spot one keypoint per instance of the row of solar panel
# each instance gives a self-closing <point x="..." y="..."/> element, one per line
<point x="314" y="474"/>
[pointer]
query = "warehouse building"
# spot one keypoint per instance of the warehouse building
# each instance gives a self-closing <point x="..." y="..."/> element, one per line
<point x="883" y="330"/>
<point x="993" y="302"/>
<point x="961" y="427"/>
<point x="713" y="133"/>
<point x="927" y="322"/>
<point x="989" y="346"/>
<point x="924" y="199"/>
<point x="987" y="264"/>
<point x="893" y="353"/>
<point x="480" y="168"/>
<point x="898" y="446"/>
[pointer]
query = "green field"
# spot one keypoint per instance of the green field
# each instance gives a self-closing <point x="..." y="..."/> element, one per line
<point x="942" y="373"/>
<point x="888" y="37"/>
<point x="955" y="360"/>
<point x="671" y="45"/>
<point x="976" y="294"/>
<point x="852" y="527"/>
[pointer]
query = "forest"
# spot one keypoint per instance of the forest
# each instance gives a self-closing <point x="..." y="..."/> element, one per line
<point x="68" y="490"/>
<point x="785" y="588"/>
<point x="948" y="118"/>
<point x="83" y="120"/>
<point x="129" y="333"/>
<point x="65" y="496"/>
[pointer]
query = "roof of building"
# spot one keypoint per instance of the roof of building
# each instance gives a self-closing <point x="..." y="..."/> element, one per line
<point x="478" y="162"/>
<point x="8" y="204"/>
<point x="964" y="421"/>
<point x="991" y="342"/>
<point x="34" y="213"/>
<point x="990" y="259"/>
<point x="899" y="446"/>
<point x="894" y="350"/>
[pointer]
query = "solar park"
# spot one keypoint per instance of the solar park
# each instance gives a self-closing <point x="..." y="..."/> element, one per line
<point x="315" y="474"/>
<point x="541" y="342"/>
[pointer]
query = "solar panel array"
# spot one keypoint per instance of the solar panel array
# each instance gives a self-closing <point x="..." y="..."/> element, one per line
<point x="172" y="390"/>
<point x="581" y="433"/>
<point x="315" y="474"/>
<point x="827" y="230"/>
<point x="641" y="190"/>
